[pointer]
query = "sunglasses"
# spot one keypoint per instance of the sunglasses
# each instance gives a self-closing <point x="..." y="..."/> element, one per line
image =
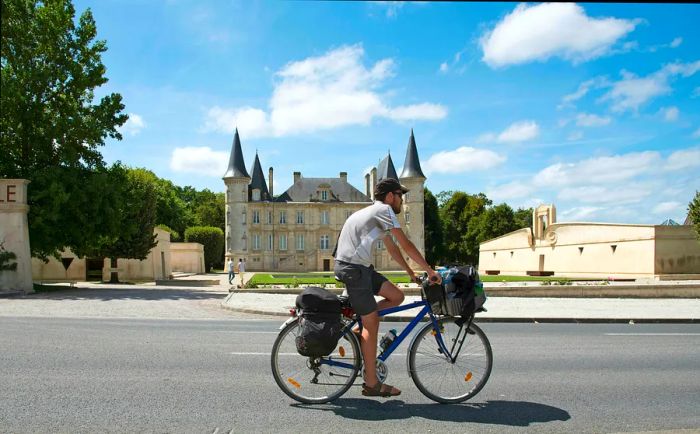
<point x="398" y="193"/>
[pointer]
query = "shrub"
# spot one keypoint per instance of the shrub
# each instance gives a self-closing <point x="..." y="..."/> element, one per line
<point x="174" y="236"/>
<point x="213" y="241"/>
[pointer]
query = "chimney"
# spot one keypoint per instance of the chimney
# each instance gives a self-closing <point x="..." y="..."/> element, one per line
<point x="373" y="180"/>
<point x="270" y="177"/>
<point x="297" y="176"/>
<point x="367" y="190"/>
<point x="344" y="176"/>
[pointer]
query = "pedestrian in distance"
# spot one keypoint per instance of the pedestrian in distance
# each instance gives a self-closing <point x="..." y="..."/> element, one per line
<point x="241" y="266"/>
<point x="353" y="266"/>
<point x="231" y="272"/>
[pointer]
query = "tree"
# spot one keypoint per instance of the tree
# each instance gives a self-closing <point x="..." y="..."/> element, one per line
<point x="459" y="216"/>
<point x="523" y="218"/>
<point x="213" y="241"/>
<point x="694" y="214"/>
<point x="433" y="229"/>
<point x="51" y="125"/>
<point x="135" y="237"/>
<point x="7" y="259"/>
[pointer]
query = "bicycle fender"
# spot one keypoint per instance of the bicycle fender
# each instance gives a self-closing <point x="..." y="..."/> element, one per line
<point x="287" y="322"/>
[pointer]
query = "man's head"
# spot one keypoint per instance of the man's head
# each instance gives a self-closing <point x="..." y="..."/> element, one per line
<point x="390" y="192"/>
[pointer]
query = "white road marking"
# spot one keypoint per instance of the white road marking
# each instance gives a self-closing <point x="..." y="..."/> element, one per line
<point x="243" y="353"/>
<point x="652" y="334"/>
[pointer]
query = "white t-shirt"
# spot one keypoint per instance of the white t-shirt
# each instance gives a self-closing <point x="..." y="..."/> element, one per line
<point x="230" y="265"/>
<point x="361" y="230"/>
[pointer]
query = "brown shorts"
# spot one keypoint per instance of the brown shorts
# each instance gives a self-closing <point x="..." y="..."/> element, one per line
<point x="362" y="284"/>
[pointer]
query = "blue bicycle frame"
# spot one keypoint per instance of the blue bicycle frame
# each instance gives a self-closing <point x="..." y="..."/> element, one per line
<point x="404" y="333"/>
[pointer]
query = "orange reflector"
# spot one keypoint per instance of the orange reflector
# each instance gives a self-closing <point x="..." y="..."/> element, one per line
<point x="434" y="333"/>
<point x="468" y="376"/>
<point x="294" y="383"/>
<point x="341" y="351"/>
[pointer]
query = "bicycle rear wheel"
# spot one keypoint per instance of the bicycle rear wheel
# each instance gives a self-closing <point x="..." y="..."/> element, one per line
<point x="436" y="376"/>
<point x="314" y="380"/>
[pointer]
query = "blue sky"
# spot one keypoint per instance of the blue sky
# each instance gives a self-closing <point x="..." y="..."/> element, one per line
<point x="592" y="107"/>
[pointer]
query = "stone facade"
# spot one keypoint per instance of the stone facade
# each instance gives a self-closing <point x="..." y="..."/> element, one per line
<point x="599" y="250"/>
<point x="14" y="235"/>
<point x="297" y="229"/>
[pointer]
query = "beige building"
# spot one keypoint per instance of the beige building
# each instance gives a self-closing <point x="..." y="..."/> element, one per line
<point x="598" y="250"/>
<point x="297" y="229"/>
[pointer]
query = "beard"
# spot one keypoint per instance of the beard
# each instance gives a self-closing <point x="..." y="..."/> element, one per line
<point x="397" y="209"/>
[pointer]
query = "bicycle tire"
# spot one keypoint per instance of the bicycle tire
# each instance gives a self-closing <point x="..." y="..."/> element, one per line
<point x="436" y="376"/>
<point x="294" y="373"/>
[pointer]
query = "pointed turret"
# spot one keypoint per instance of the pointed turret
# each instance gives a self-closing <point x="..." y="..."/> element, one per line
<point x="258" y="181"/>
<point x="236" y="165"/>
<point x="386" y="169"/>
<point x="411" y="165"/>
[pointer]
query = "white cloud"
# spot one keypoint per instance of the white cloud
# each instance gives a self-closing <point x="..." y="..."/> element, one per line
<point x="670" y="114"/>
<point x="676" y="42"/>
<point x="576" y="135"/>
<point x="517" y="132"/>
<point x="201" y="160"/>
<point x="133" y="125"/>
<point x="512" y="190"/>
<point x="581" y="213"/>
<point x="600" y="194"/>
<point x="598" y="170"/>
<point x="463" y="159"/>
<point x="444" y="68"/>
<point x="538" y="32"/>
<point x="683" y="159"/>
<point x="329" y="91"/>
<point x="591" y="120"/>
<point x="632" y="91"/>
<point x="668" y="207"/>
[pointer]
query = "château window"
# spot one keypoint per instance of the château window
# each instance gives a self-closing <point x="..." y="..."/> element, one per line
<point x="300" y="242"/>
<point x="256" y="241"/>
<point x="283" y="217"/>
<point x="380" y="244"/>
<point x="408" y="217"/>
<point x="256" y="217"/>
<point x="325" y="242"/>
<point x="300" y="217"/>
<point x="256" y="194"/>
<point x="283" y="242"/>
<point x="325" y="217"/>
<point x="270" y="241"/>
<point x="269" y="217"/>
<point x="324" y="195"/>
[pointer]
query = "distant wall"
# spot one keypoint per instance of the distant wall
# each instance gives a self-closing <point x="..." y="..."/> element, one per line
<point x="187" y="257"/>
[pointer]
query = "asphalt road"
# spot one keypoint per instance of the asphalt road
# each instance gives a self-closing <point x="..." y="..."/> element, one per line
<point x="213" y="375"/>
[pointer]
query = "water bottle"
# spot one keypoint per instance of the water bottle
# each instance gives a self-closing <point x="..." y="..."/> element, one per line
<point x="386" y="340"/>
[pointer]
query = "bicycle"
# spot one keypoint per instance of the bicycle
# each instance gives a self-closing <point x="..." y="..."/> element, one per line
<point x="443" y="364"/>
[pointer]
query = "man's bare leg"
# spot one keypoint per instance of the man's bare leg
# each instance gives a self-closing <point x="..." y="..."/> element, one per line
<point x="368" y="344"/>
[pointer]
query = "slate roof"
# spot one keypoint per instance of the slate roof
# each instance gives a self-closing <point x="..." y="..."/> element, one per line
<point x="411" y="165"/>
<point x="309" y="190"/>
<point x="386" y="169"/>
<point x="258" y="181"/>
<point x="236" y="165"/>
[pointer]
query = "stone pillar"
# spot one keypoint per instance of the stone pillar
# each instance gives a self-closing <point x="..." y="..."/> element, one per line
<point x="14" y="235"/>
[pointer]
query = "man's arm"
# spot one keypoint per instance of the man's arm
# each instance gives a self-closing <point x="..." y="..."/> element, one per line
<point x="395" y="253"/>
<point x="412" y="252"/>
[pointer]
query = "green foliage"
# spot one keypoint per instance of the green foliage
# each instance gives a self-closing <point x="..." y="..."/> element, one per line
<point x="433" y="229"/>
<point x="51" y="126"/>
<point x="459" y="216"/>
<point x="50" y="68"/>
<point x="213" y="241"/>
<point x="174" y="236"/>
<point x="694" y="214"/>
<point x="6" y="259"/>
<point x="137" y="211"/>
<point x="523" y="218"/>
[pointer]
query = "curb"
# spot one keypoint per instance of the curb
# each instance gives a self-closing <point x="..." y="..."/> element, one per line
<point x="535" y="320"/>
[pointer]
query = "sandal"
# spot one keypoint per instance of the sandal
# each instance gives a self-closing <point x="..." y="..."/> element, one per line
<point x="380" y="389"/>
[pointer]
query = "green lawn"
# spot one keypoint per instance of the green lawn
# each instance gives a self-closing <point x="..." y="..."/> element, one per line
<point x="296" y="279"/>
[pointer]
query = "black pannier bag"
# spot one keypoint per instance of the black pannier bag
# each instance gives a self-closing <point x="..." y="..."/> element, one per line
<point x="460" y="294"/>
<point x="319" y="323"/>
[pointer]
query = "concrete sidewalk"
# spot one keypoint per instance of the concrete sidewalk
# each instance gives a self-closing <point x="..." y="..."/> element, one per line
<point x="516" y="309"/>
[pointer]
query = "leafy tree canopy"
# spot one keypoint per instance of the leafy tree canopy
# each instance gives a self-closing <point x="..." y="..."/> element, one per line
<point x="694" y="213"/>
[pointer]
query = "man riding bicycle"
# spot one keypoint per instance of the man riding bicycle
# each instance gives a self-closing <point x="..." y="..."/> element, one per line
<point x="353" y="266"/>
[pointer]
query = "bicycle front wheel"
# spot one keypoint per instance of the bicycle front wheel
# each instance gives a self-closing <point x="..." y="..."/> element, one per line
<point x="436" y="376"/>
<point x="314" y="380"/>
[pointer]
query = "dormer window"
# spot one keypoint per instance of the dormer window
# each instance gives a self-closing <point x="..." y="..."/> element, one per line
<point x="324" y="195"/>
<point x="256" y="194"/>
